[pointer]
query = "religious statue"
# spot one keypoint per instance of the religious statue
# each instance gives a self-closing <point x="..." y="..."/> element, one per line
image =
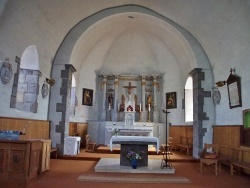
<point x="137" y="107"/>
<point x="122" y="106"/>
<point x="110" y="99"/>
<point x="149" y="100"/>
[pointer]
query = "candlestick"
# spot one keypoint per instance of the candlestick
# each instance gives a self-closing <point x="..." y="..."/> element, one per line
<point x="149" y="116"/>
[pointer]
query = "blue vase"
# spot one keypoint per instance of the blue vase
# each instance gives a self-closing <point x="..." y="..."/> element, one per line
<point x="134" y="163"/>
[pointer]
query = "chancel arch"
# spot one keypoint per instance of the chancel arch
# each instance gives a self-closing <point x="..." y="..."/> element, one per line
<point x="104" y="32"/>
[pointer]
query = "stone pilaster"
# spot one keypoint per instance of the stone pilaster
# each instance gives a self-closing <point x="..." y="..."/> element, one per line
<point x="199" y="115"/>
<point x="104" y="89"/>
<point x="63" y="107"/>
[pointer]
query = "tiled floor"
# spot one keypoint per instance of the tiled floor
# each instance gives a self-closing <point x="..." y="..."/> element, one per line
<point x="113" y="165"/>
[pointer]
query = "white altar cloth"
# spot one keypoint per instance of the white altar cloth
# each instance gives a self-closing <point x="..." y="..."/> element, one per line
<point x="134" y="139"/>
<point x="71" y="145"/>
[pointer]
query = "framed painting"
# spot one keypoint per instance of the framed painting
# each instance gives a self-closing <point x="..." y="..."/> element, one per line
<point x="87" y="97"/>
<point x="171" y="101"/>
<point x="234" y="91"/>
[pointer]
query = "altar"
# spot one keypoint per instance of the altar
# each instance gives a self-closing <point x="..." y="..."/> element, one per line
<point x="129" y="106"/>
<point x="135" y="143"/>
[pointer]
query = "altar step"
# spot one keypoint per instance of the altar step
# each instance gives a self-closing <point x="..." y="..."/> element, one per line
<point x="104" y="151"/>
<point x="116" y="150"/>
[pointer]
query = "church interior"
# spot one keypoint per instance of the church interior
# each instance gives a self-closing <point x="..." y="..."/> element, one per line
<point x="78" y="76"/>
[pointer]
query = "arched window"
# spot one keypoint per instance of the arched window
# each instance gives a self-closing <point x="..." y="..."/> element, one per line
<point x="25" y="88"/>
<point x="189" y="100"/>
<point x="73" y="100"/>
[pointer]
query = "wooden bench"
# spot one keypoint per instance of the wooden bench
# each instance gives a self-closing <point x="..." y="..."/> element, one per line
<point x="234" y="158"/>
<point x="186" y="143"/>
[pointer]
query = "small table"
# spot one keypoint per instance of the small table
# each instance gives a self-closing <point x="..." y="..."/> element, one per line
<point x="71" y="145"/>
<point x="134" y="143"/>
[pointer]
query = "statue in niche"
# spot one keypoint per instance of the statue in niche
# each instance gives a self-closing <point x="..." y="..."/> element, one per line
<point x="110" y="99"/>
<point x="122" y="106"/>
<point x="149" y="100"/>
<point x="137" y="107"/>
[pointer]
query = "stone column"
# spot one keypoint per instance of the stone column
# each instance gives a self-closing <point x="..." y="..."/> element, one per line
<point x="155" y="112"/>
<point x="199" y="115"/>
<point x="104" y="89"/>
<point x="115" y="110"/>
<point x="143" y="85"/>
<point x="59" y="110"/>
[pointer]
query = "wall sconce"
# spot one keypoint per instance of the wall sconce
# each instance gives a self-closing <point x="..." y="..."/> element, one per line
<point x="50" y="81"/>
<point x="220" y="83"/>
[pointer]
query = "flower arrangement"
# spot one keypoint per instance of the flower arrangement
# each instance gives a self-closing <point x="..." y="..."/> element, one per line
<point x="133" y="154"/>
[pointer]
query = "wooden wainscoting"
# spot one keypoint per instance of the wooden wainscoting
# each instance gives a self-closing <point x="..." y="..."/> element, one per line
<point x="230" y="139"/>
<point x="82" y="130"/>
<point x="35" y="129"/>
<point x="72" y="128"/>
<point x="230" y="135"/>
<point x="178" y="131"/>
<point x="79" y="129"/>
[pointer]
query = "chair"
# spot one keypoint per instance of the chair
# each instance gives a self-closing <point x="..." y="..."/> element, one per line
<point x="210" y="156"/>
<point x="90" y="146"/>
<point x="170" y="141"/>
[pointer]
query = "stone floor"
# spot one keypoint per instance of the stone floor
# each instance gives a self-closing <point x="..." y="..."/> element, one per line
<point x="113" y="165"/>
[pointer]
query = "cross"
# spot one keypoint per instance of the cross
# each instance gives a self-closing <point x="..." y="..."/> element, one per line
<point x="129" y="87"/>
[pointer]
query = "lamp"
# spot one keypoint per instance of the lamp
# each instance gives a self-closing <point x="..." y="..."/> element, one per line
<point x="50" y="81"/>
<point x="220" y="83"/>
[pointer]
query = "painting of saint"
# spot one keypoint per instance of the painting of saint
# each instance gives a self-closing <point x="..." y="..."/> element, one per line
<point x="171" y="100"/>
<point x="87" y="98"/>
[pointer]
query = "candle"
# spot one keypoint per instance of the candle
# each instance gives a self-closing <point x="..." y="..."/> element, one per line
<point x="109" y="107"/>
<point x="118" y="107"/>
<point x="140" y="107"/>
<point x="149" y="107"/>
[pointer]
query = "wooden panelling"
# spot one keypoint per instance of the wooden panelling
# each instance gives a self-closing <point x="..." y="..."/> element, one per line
<point x="230" y="139"/>
<point x="72" y="128"/>
<point x="35" y="129"/>
<point x="82" y="131"/>
<point x="228" y="135"/>
<point x="180" y="131"/>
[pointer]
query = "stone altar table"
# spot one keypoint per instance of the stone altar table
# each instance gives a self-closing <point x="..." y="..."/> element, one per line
<point x="134" y="143"/>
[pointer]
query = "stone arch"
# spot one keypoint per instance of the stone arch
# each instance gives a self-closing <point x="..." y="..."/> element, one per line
<point x="197" y="57"/>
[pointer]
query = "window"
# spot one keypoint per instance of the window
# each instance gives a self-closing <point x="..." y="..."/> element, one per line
<point x="189" y="100"/>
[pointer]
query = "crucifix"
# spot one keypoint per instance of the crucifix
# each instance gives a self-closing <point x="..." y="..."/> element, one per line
<point x="129" y="87"/>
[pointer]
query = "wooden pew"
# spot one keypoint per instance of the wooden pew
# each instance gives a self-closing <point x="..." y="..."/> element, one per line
<point x="186" y="144"/>
<point x="233" y="157"/>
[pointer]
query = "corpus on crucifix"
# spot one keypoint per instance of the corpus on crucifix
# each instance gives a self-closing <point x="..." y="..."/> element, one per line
<point x="129" y="87"/>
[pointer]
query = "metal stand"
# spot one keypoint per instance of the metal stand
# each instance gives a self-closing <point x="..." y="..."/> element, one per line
<point x="166" y="158"/>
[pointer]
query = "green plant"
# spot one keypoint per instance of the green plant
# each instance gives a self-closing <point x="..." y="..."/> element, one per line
<point x="116" y="132"/>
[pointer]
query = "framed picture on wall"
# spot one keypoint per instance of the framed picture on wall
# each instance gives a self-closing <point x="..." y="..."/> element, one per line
<point x="87" y="97"/>
<point x="171" y="100"/>
<point x="234" y="91"/>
